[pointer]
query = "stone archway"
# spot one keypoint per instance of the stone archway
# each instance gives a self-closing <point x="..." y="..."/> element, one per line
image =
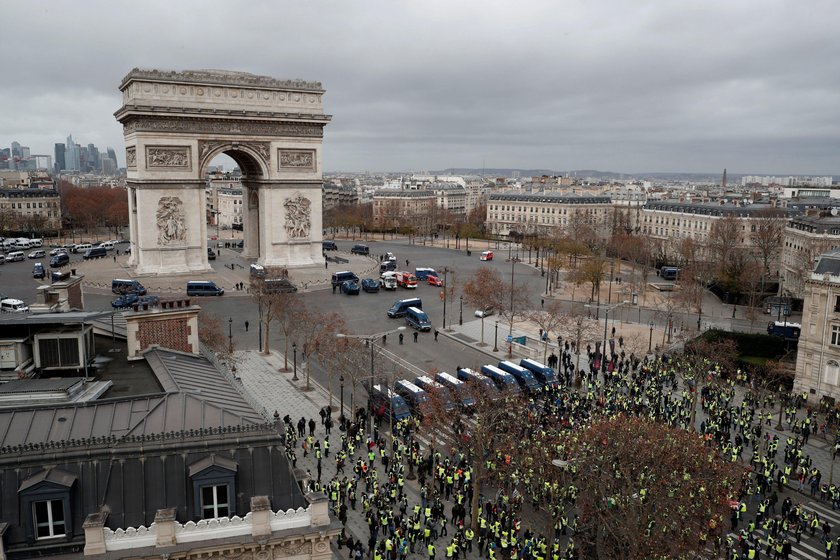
<point x="175" y="123"/>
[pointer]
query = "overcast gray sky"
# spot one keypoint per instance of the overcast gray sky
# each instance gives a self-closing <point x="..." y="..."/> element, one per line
<point x="629" y="86"/>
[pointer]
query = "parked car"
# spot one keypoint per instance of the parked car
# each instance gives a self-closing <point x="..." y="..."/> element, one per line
<point x="486" y="256"/>
<point x="57" y="250"/>
<point x="211" y="254"/>
<point x="38" y="271"/>
<point x="486" y="312"/>
<point x="350" y="288"/>
<point x="434" y="281"/>
<point x="370" y="285"/>
<point x="39" y="254"/>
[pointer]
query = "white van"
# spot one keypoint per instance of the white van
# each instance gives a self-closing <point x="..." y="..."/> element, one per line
<point x="13" y="306"/>
<point x="37" y="242"/>
<point x="107" y="245"/>
<point x="82" y="247"/>
<point x="15" y="256"/>
<point x="23" y="244"/>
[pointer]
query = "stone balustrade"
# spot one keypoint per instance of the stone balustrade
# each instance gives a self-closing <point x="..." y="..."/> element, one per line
<point x="173" y="532"/>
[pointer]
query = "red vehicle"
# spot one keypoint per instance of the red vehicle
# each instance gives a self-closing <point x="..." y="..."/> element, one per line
<point x="434" y="281"/>
<point x="406" y="280"/>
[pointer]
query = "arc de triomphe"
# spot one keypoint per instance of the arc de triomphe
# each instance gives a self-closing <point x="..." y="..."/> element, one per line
<point x="175" y="123"/>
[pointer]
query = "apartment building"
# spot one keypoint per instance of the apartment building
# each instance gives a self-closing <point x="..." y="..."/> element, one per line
<point x="806" y="237"/>
<point x="31" y="208"/>
<point x="669" y="222"/>
<point x="399" y="207"/>
<point x="818" y="356"/>
<point x="547" y="214"/>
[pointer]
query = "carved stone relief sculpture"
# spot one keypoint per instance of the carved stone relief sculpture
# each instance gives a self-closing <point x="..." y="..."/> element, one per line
<point x="157" y="156"/>
<point x="131" y="157"/>
<point x="298" y="223"/>
<point x="297" y="159"/>
<point x="170" y="221"/>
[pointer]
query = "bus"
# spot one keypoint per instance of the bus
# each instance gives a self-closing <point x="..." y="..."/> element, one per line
<point x="788" y="331"/>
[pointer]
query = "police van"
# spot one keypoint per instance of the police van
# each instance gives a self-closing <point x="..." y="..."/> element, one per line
<point x="459" y="389"/>
<point x="384" y="402"/>
<point x="122" y="286"/>
<point x="484" y="384"/>
<point x="437" y="391"/>
<point x="523" y="376"/>
<point x="542" y="372"/>
<point x="504" y="381"/>
<point x="417" y="318"/>
<point x="203" y="288"/>
<point x="400" y="307"/>
<point x="417" y="398"/>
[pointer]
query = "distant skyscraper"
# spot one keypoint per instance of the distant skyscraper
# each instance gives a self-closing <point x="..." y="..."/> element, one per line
<point x="72" y="155"/>
<point x="59" y="157"/>
<point x="723" y="180"/>
<point x="112" y="154"/>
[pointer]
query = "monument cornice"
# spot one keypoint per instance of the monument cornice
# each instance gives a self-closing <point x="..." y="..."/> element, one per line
<point x="214" y="125"/>
<point x="219" y="77"/>
<point x="127" y="111"/>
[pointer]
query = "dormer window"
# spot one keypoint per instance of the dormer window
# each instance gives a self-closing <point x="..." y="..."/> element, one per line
<point x="45" y="501"/>
<point x="214" y="487"/>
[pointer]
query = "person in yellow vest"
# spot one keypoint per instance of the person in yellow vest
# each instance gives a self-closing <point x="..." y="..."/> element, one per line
<point x="431" y="550"/>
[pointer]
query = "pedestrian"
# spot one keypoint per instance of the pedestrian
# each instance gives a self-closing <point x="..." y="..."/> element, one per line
<point x="115" y="258"/>
<point x="542" y="302"/>
<point x="401" y="338"/>
<point x="311" y="427"/>
<point x="436" y="334"/>
<point x="326" y="265"/>
<point x="246" y="326"/>
<point x="415" y="336"/>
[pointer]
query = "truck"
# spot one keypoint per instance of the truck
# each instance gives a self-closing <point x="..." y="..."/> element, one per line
<point x="417" y="398"/>
<point x="406" y="280"/>
<point x="388" y="281"/>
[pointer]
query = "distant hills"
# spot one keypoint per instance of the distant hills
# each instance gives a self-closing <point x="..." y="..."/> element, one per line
<point x="593" y="173"/>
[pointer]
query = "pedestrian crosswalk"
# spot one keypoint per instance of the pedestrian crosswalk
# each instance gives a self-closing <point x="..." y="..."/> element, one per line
<point x="809" y="548"/>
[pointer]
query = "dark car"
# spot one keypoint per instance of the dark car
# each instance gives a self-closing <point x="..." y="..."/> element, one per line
<point x="350" y="288"/>
<point x="434" y="281"/>
<point x="38" y="271"/>
<point x="211" y="254"/>
<point x="329" y="246"/>
<point x="370" y="285"/>
<point x="360" y="250"/>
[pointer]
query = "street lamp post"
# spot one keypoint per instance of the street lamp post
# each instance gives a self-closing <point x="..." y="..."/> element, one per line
<point x="496" y="339"/>
<point x="230" y="335"/>
<point x="369" y="340"/>
<point x="461" y="311"/>
<point x="294" y="361"/>
<point x="445" y="271"/>
<point x="341" y="384"/>
<point x="650" y="340"/>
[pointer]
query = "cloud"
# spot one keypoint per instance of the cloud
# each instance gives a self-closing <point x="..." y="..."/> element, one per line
<point x="625" y="86"/>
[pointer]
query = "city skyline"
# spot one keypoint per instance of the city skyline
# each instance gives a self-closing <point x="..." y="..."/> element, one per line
<point x="657" y="87"/>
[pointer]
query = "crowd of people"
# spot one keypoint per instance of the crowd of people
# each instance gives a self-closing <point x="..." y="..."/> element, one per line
<point x="370" y="472"/>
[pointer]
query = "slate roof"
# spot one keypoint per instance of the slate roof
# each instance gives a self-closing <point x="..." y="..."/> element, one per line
<point x="195" y="397"/>
<point x="829" y="263"/>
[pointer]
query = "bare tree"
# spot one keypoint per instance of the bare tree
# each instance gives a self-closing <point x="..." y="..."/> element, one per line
<point x="485" y="290"/>
<point x="768" y="235"/>
<point x="646" y="490"/>
<point x="579" y="328"/>
<point x="212" y="335"/>
<point x="273" y="305"/>
<point x="725" y="245"/>
<point x="590" y="272"/>
<point x="549" y="320"/>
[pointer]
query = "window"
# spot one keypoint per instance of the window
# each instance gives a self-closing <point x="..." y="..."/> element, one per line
<point x="835" y="335"/>
<point x="832" y="372"/>
<point x="49" y="519"/>
<point x="214" y="501"/>
<point x="837" y="304"/>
